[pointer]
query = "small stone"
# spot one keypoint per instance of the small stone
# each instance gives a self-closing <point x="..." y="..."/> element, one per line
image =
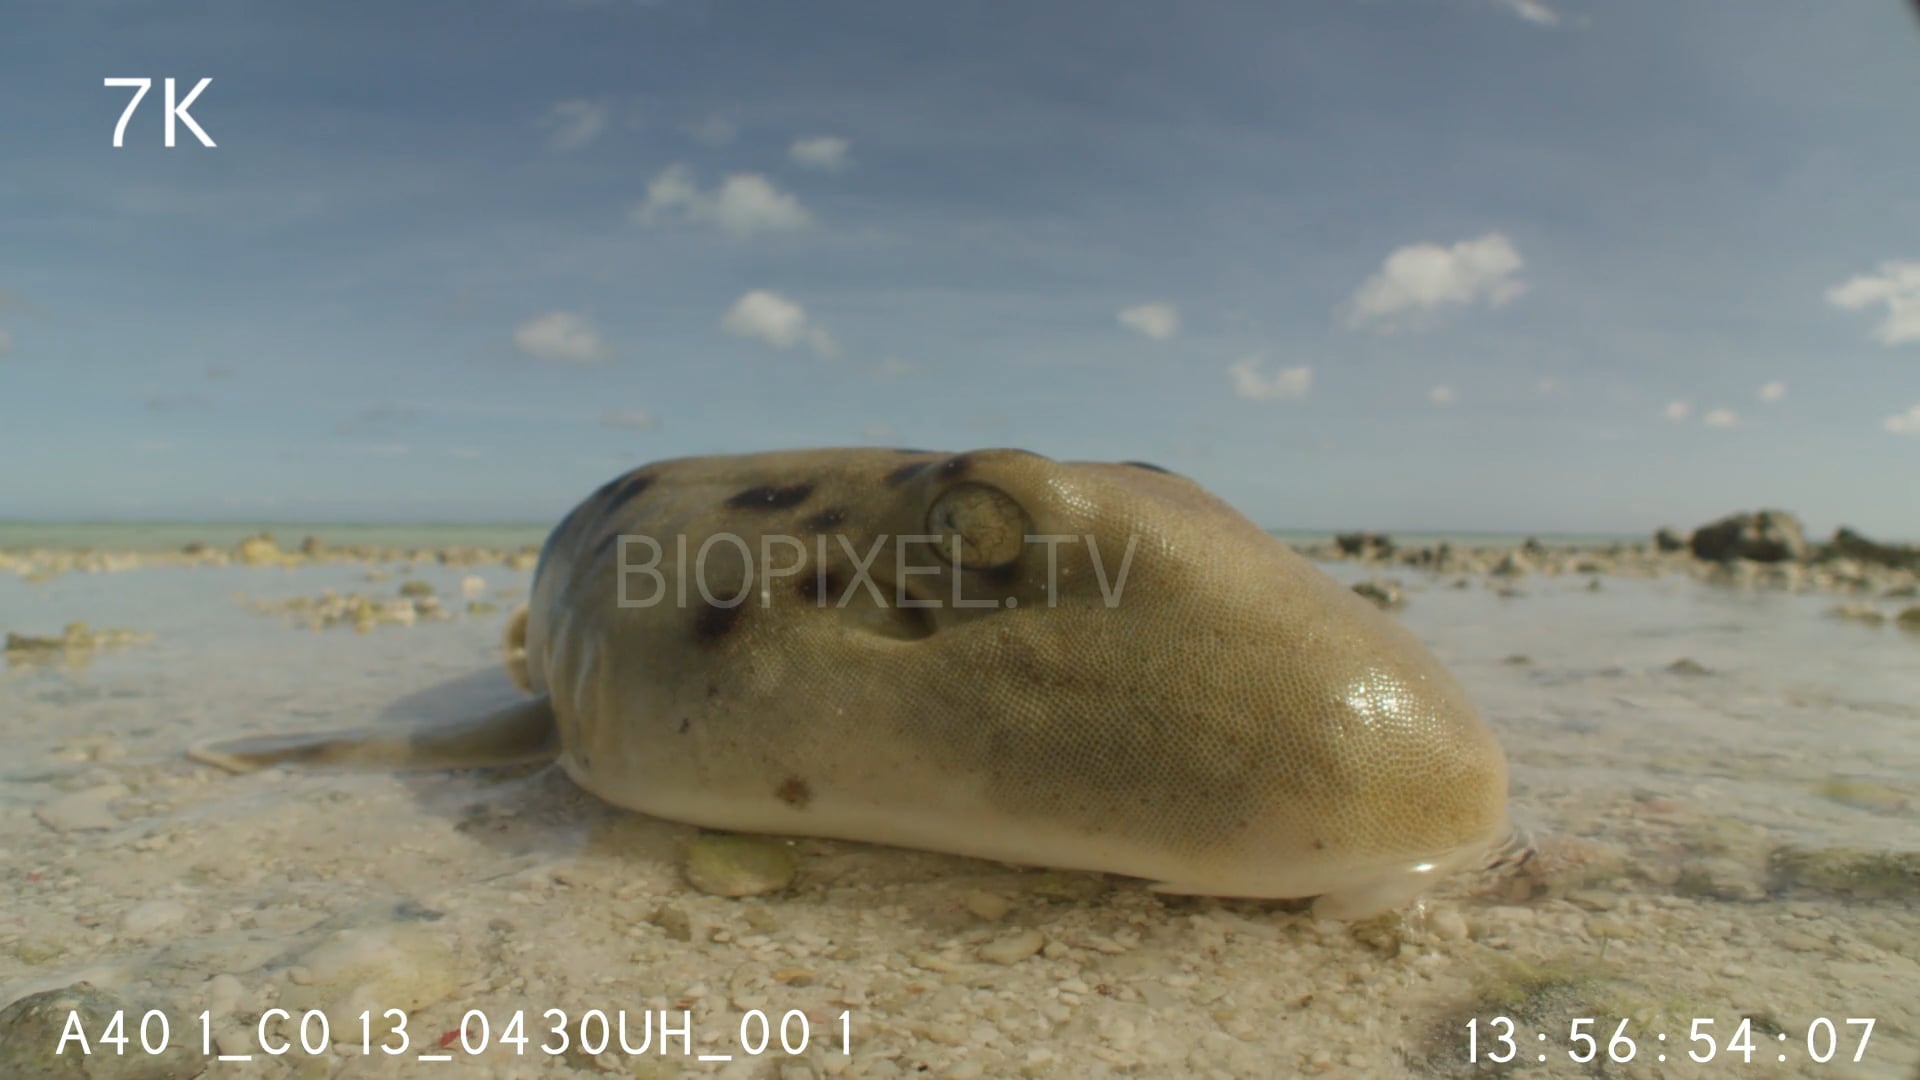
<point x="1385" y="593"/>
<point x="1447" y="924"/>
<point x="473" y="586"/>
<point x="1908" y="619"/>
<point x="81" y="811"/>
<point x="1718" y="877"/>
<point x="989" y="906"/>
<point x="674" y="921"/>
<point x="1687" y="665"/>
<point x="1014" y="947"/>
<point x="416" y="588"/>
<point x="723" y="865"/>
<point x="150" y="915"/>
<point x="1859" y="611"/>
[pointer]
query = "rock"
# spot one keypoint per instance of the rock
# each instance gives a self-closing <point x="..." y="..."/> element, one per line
<point x="675" y="921"/>
<point x="260" y="550"/>
<point x="989" y="906"/>
<point x="1386" y="593"/>
<point x="1851" y="545"/>
<point x="1909" y="619"/>
<point x="1719" y="877"/>
<point x="1014" y="947"/>
<point x="1512" y="564"/>
<point x="81" y="811"/>
<point x="1687" y="665"/>
<point x="1762" y="536"/>
<point x="473" y="586"/>
<point x="407" y="966"/>
<point x="1364" y="544"/>
<point x="1864" y="794"/>
<point x="1859" y="612"/>
<point x="416" y="588"/>
<point x="1667" y="541"/>
<point x="722" y="865"/>
<point x="148" y="916"/>
<point x="312" y="548"/>
<point x="31" y="1030"/>
<point x="1853" y="872"/>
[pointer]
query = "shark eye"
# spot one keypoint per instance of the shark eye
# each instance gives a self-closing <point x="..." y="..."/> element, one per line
<point x="988" y="527"/>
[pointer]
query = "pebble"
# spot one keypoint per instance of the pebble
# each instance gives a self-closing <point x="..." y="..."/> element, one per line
<point x="81" y="811"/>
<point x="722" y="865"/>
<point x="989" y="906"/>
<point x="1447" y="924"/>
<point x="1859" y="612"/>
<point x="1013" y="948"/>
<point x="148" y="916"/>
<point x="407" y="966"/>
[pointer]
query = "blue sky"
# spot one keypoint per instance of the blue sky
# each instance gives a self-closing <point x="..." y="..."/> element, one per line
<point x="1544" y="265"/>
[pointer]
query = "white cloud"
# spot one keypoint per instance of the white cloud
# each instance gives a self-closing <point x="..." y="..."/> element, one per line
<point x="1897" y="285"/>
<point x="1255" y="385"/>
<point x="715" y="130"/>
<point x="1158" y="320"/>
<point x="560" y="336"/>
<point x="1442" y="395"/>
<point x="1534" y="11"/>
<point x="1426" y="277"/>
<point x="1550" y="387"/>
<point x="879" y="433"/>
<point x="1774" y="391"/>
<point x="892" y="368"/>
<point x="824" y="152"/>
<point x="1906" y="423"/>
<point x="743" y="204"/>
<point x="778" y="321"/>
<point x="1678" y="411"/>
<point x="573" y="124"/>
<point x="633" y="419"/>
<point x="1720" y="418"/>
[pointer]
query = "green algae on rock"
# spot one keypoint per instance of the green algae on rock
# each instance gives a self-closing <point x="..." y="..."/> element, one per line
<point x="1851" y="872"/>
<point x="727" y="865"/>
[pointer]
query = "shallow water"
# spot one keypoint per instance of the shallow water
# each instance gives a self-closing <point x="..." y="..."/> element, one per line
<point x="443" y="892"/>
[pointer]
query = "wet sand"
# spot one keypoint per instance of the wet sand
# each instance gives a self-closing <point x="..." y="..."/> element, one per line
<point x="1721" y="771"/>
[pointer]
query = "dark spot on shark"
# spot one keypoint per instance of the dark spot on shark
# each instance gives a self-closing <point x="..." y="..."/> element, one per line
<point x="713" y="622"/>
<point x="827" y="519"/>
<point x="769" y="497"/>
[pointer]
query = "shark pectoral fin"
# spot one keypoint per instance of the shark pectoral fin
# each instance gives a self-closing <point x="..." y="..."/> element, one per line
<point x="514" y="735"/>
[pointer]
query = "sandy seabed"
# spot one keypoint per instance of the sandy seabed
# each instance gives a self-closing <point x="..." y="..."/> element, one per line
<point x="1734" y="839"/>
